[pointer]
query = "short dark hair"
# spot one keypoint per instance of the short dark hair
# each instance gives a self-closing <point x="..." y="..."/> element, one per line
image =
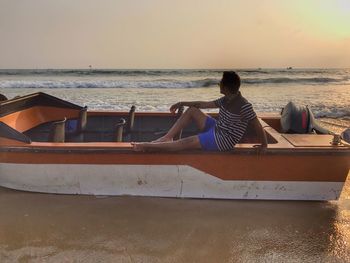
<point x="231" y="80"/>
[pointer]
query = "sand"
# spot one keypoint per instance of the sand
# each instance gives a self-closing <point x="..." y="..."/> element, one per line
<point x="62" y="228"/>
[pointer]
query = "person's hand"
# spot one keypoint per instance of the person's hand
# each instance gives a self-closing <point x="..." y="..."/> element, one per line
<point x="260" y="148"/>
<point x="174" y="107"/>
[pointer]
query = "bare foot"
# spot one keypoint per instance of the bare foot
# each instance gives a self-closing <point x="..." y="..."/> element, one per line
<point x="163" y="139"/>
<point x="137" y="147"/>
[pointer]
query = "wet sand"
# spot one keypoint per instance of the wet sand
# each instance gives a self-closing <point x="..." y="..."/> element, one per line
<point x="62" y="228"/>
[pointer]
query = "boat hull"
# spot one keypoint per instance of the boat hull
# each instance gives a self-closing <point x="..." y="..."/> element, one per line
<point x="180" y="181"/>
<point x="93" y="161"/>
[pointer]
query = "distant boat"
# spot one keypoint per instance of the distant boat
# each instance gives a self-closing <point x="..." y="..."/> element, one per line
<point x="289" y="68"/>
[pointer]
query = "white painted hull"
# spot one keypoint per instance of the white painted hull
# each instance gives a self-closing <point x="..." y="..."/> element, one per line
<point x="155" y="180"/>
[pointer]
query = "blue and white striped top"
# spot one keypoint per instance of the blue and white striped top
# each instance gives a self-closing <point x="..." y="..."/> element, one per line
<point x="233" y="120"/>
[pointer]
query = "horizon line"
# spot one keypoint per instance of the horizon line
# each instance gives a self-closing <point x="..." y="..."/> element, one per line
<point x="233" y="68"/>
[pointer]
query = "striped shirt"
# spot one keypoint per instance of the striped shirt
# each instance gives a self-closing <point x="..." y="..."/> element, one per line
<point x="232" y="122"/>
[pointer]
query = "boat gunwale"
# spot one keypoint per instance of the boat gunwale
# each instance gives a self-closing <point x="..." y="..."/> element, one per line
<point x="127" y="148"/>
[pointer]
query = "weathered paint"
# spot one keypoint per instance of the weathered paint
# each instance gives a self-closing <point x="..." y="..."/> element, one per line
<point x="155" y="180"/>
<point x="226" y="166"/>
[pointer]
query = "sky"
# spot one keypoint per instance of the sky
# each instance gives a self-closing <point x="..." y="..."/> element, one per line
<point x="170" y="34"/>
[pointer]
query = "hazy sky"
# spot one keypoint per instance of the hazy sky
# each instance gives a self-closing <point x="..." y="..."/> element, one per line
<point x="174" y="33"/>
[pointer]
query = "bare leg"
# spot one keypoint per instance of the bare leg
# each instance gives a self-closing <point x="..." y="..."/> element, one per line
<point x="191" y="114"/>
<point x="191" y="142"/>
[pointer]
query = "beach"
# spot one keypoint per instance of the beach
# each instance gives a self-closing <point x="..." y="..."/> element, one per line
<point x="70" y="228"/>
<point x="66" y="228"/>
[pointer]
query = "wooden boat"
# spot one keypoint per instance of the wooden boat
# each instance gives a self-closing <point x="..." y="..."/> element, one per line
<point x="89" y="160"/>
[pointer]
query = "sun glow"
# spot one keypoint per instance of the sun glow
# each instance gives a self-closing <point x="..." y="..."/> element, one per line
<point x="339" y="19"/>
<point x="175" y="34"/>
<point x="344" y="6"/>
<point x="328" y="18"/>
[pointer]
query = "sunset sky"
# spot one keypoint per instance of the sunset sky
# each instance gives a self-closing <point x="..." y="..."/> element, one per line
<point x="174" y="34"/>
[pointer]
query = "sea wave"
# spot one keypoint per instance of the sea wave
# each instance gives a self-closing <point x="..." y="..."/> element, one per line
<point x="168" y="84"/>
<point x="332" y="113"/>
<point x="162" y="83"/>
<point x="302" y="80"/>
<point x="102" y="72"/>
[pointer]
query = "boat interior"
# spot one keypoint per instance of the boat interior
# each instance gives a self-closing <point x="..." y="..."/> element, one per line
<point x="42" y="118"/>
<point x="119" y="127"/>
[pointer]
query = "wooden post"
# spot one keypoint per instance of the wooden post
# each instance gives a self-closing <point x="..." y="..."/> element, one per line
<point x="120" y="127"/>
<point x="131" y="118"/>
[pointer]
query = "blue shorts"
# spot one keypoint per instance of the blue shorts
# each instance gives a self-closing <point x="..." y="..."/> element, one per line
<point x="207" y="137"/>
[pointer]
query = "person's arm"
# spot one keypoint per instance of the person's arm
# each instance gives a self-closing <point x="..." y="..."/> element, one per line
<point x="197" y="104"/>
<point x="260" y="133"/>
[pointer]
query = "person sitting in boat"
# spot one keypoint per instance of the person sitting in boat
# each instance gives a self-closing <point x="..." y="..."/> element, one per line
<point x="235" y="112"/>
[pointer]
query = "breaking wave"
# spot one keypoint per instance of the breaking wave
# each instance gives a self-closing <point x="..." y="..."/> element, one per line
<point x="285" y="80"/>
<point x="103" y="72"/>
<point x="162" y="83"/>
<point x="170" y="84"/>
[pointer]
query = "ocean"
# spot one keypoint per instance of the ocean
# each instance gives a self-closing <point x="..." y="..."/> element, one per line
<point x="60" y="228"/>
<point x="326" y="91"/>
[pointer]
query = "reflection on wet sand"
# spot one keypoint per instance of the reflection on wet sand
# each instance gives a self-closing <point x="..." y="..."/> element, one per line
<point x="57" y="228"/>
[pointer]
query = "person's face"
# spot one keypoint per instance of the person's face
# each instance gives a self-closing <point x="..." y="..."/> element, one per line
<point x="221" y="87"/>
<point x="223" y="90"/>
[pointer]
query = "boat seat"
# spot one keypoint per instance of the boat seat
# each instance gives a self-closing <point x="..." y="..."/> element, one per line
<point x="57" y="131"/>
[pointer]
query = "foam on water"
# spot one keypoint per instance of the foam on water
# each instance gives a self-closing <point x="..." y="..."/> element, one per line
<point x="326" y="91"/>
<point x="161" y="83"/>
